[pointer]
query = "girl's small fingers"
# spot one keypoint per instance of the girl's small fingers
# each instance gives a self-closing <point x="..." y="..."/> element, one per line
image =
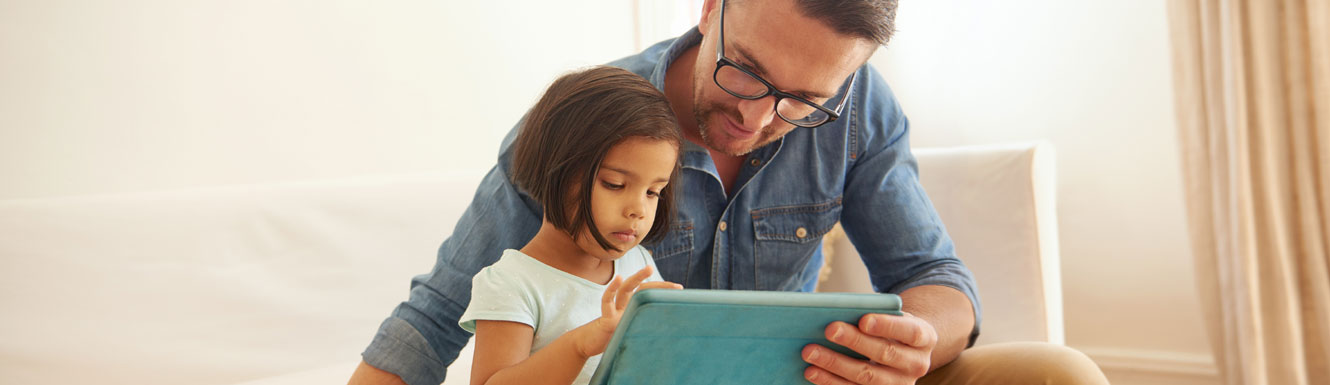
<point x="660" y="285"/>
<point x="625" y="292"/>
<point x="633" y="282"/>
<point x="607" y="299"/>
<point x="636" y="279"/>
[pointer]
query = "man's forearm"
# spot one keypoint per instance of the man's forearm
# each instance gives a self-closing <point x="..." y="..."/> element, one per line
<point x="950" y="313"/>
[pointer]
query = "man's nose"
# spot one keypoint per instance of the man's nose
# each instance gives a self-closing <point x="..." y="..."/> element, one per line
<point x="757" y="113"/>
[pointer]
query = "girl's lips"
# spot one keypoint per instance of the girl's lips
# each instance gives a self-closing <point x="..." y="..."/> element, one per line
<point x="624" y="236"/>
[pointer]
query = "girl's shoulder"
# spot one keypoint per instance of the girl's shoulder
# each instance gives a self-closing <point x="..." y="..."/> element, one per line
<point x="637" y="258"/>
<point x="512" y="269"/>
<point x="512" y="259"/>
<point x="638" y="255"/>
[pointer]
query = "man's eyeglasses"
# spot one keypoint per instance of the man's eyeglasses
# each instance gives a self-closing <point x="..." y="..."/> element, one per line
<point x="744" y="84"/>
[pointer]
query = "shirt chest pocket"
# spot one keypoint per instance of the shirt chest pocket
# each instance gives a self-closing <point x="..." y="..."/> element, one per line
<point x="786" y="237"/>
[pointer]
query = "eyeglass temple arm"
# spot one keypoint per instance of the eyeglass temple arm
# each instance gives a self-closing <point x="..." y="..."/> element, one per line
<point x="846" y="95"/>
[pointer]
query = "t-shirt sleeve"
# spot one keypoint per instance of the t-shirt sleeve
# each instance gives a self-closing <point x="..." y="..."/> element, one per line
<point x="497" y="297"/>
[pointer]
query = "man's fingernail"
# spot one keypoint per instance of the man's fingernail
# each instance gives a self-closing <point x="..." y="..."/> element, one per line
<point x="812" y="355"/>
<point x="836" y="332"/>
<point x="870" y="323"/>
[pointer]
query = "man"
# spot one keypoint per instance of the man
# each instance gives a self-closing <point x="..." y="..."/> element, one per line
<point x="790" y="132"/>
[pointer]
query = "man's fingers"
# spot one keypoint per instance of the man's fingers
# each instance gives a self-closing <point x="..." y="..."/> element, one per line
<point x="838" y="368"/>
<point x="821" y="376"/>
<point x="909" y="330"/>
<point x="908" y="359"/>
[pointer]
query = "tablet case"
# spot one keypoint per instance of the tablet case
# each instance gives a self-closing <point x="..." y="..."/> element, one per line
<point x="727" y="337"/>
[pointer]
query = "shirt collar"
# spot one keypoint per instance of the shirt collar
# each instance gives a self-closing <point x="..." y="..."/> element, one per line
<point x="695" y="156"/>
<point x="680" y="44"/>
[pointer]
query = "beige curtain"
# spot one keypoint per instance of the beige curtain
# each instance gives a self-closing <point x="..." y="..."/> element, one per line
<point x="1253" y="101"/>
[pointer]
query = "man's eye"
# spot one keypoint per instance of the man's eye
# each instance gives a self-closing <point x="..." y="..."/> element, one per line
<point x="611" y="186"/>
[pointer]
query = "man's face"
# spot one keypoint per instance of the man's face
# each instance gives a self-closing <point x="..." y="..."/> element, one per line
<point x="771" y="38"/>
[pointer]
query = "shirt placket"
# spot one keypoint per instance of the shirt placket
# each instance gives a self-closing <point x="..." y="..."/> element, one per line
<point x="732" y="258"/>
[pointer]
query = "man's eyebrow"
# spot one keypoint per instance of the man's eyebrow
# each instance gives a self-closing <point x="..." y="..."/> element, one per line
<point x="633" y="174"/>
<point x="760" y="70"/>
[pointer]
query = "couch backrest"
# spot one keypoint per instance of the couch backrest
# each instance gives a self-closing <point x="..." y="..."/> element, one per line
<point x="998" y="203"/>
<point x="216" y="285"/>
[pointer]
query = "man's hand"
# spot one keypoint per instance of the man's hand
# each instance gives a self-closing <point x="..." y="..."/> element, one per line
<point x="899" y="349"/>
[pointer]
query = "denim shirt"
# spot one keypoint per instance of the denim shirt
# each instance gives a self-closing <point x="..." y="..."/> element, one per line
<point x="765" y="235"/>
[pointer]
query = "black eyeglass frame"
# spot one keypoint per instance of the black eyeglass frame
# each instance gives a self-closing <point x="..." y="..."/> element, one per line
<point x="722" y="61"/>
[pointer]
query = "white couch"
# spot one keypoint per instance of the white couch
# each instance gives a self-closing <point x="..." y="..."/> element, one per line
<point x="286" y="283"/>
<point x="999" y="205"/>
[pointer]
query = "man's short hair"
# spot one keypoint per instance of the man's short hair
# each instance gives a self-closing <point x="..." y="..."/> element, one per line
<point x="873" y="20"/>
<point x="566" y="135"/>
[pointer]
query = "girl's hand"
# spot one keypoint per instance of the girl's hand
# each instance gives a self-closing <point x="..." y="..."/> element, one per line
<point x="612" y="305"/>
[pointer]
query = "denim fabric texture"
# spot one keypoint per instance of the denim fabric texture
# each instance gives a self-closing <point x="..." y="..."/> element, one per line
<point x="857" y="170"/>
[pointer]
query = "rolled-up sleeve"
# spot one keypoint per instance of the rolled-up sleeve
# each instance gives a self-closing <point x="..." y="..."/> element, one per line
<point x="887" y="215"/>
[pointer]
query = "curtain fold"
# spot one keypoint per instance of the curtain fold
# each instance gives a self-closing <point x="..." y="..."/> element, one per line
<point x="1252" y="82"/>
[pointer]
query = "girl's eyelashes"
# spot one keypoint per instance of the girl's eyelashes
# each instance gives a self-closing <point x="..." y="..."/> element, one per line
<point x="612" y="186"/>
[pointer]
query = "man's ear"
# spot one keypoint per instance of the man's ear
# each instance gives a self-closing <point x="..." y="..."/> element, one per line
<point x="710" y="15"/>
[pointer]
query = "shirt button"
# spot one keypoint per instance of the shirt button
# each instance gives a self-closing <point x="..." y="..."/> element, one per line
<point x="755" y="162"/>
<point x="722" y="226"/>
<point x="801" y="232"/>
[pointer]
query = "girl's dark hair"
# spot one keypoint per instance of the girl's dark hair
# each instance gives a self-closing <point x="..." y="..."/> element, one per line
<point x="567" y="133"/>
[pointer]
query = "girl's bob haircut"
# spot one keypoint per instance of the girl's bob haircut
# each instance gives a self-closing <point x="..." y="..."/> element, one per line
<point x="566" y="135"/>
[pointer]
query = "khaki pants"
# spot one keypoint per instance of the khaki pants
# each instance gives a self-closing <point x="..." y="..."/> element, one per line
<point x="1018" y="363"/>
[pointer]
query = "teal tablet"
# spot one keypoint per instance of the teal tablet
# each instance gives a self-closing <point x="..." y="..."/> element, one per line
<point x="727" y="337"/>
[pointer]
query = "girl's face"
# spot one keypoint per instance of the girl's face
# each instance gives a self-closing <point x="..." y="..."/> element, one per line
<point x="625" y="194"/>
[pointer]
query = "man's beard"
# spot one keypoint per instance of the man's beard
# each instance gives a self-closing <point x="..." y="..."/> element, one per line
<point x="712" y="141"/>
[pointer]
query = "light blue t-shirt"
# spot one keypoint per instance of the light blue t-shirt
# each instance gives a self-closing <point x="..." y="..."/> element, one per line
<point x="519" y="288"/>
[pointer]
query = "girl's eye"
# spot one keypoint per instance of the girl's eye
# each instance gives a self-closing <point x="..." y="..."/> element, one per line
<point x="653" y="193"/>
<point x="611" y="186"/>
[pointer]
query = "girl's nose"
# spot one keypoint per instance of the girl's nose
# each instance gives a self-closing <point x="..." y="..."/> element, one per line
<point x="636" y="209"/>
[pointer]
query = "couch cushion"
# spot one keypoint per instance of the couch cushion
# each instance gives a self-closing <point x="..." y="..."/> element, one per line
<point x="215" y="285"/>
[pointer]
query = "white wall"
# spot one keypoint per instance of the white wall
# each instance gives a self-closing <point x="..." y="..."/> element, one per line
<point x="1094" y="78"/>
<point x="105" y="97"/>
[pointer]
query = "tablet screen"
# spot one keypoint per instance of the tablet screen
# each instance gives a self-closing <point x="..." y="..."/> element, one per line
<point x="727" y="337"/>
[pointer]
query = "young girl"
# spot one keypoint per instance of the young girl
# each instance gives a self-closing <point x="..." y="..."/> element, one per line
<point x="600" y="152"/>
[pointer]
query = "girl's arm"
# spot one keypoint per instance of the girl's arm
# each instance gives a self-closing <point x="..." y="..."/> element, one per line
<point x="502" y="347"/>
